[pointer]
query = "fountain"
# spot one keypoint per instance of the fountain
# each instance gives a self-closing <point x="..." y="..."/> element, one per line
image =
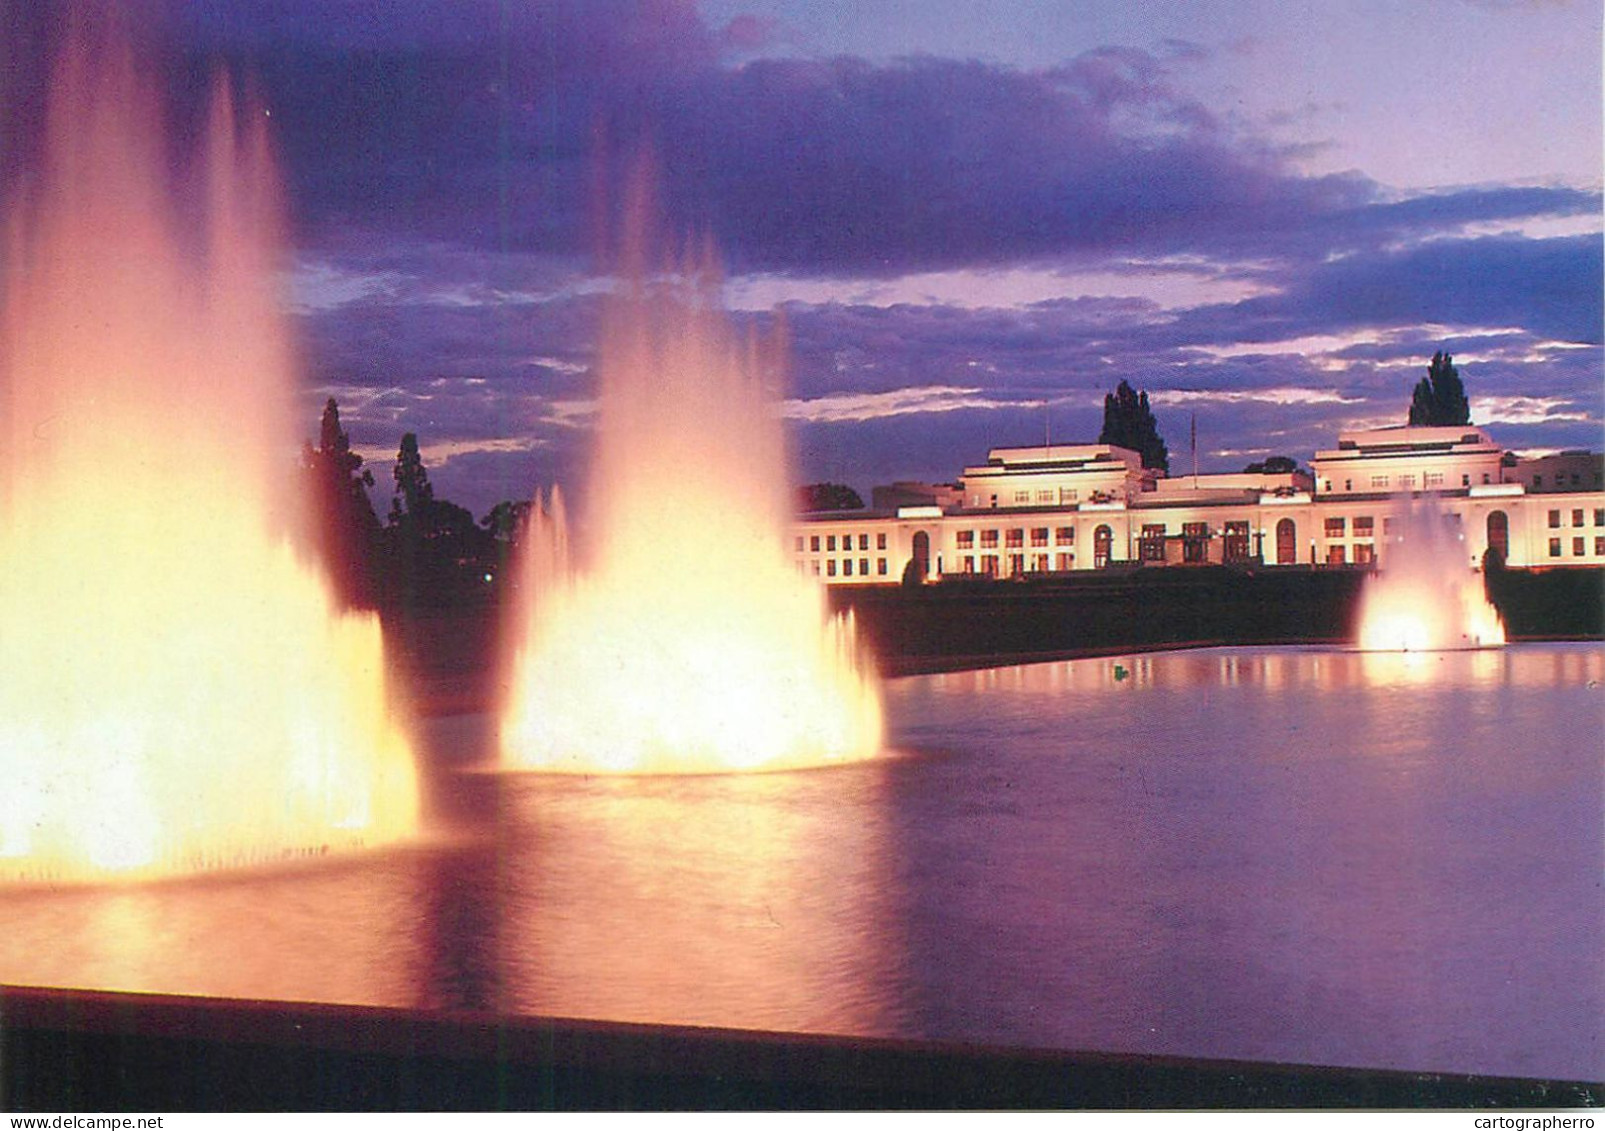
<point x="1425" y="597"/>
<point x="177" y="690"/>
<point x="690" y="643"/>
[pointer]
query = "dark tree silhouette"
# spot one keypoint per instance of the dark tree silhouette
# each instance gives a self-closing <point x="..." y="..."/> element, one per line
<point x="828" y="497"/>
<point x="1439" y="397"/>
<point x="1129" y="423"/>
<point x="505" y="521"/>
<point x="435" y="552"/>
<point x="1274" y="465"/>
<point x="345" y="525"/>
<point x="413" y="495"/>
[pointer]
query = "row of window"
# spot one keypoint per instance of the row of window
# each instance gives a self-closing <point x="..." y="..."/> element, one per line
<point x="1406" y="481"/>
<point x="1015" y="538"/>
<point x="829" y="567"/>
<point x="1577" y="517"/>
<point x="987" y="564"/>
<point x="846" y="542"/>
<point x="1578" y="547"/>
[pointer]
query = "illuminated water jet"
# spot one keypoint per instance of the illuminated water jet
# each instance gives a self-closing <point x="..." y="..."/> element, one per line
<point x="691" y="643"/>
<point x="1425" y="597"/>
<point x="177" y="691"/>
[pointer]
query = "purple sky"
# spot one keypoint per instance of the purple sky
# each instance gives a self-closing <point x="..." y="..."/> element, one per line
<point x="977" y="215"/>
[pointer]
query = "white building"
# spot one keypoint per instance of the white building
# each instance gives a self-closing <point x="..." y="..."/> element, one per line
<point x="1056" y="509"/>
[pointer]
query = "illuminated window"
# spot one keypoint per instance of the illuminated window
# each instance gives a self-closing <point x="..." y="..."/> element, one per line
<point x="863" y="566"/>
<point x="1554" y="547"/>
<point x="1379" y="480"/>
<point x="1599" y="546"/>
<point x="966" y="539"/>
<point x="1577" y="547"/>
<point x="1363" y="526"/>
<point x="880" y="540"/>
<point x="1022" y="497"/>
<point x="1364" y="554"/>
<point x="1577" y="517"/>
<point x="1039" y="536"/>
<point x="847" y="567"/>
<point x="1335" y="527"/>
<point x="989" y="538"/>
<point x="813" y="543"/>
<point x="1045" y="496"/>
<point x="1432" y="479"/>
<point x="863" y="541"/>
<point x="1016" y="564"/>
<point x="1068" y="561"/>
<point x="1334" y="555"/>
<point x="1015" y="538"/>
<point x="989" y="564"/>
<point x="1407" y="482"/>
<point x="1599" y="516"/>
<point x="830" y="568"/>
<point x="880" y="566"/>
<point x="1067" y="534"/>
<point x="967" y="563"/>
<point x="1554" y="520"/>
<point x="1067" y="494"/>
<point x="830" y="541"/>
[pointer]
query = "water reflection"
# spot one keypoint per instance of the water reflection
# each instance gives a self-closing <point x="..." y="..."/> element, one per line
<point x="1326" y="857"/>
<point x="749" y="900"/>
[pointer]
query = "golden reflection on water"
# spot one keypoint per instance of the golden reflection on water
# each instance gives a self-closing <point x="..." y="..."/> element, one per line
<point x="753" y="901"/>
<point x="342" y="932"/>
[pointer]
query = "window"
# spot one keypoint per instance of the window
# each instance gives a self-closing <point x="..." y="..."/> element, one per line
<point x="1151" y="547"/>
<point x="1554" y="547"/>
<point x="1363" y="526"/>
<point x="1068" y="494"/>
<point x="1364" y="553"/>
<point x="830" y="568"/>
<point x="830" y="542"/>
<point x="1379" y="481"/>
<point x="1234" y="544"/>
<point x="847" y="567"/>
<point x="1465" y="481"/>
<point x="1348" y="484"/>
<point x="1538" y="481"/>
<point x="1039" y="536"/>
<point x="1407" y="482"/>
<point x="1432" y="479"/>
<point x="1068" y="561"/>
<point x="1335" y="527"/>
<point x="967" y="563"/>
<point x="989" y="564"/>
<point x="799" y="543"/>
<point x="1577" y="547"/>
<point x="1577" y="517"/>
<point x="1195" y="529"/>
<point x="1016" y="565"/>
<point x="989" y="539"/>
<point x="1039" y="563"/>
<point x="1045" y="496"/>
<point x="863" y="566"/>
<point x="813" y="543"/>
<point x="816" y="569"/>
<point x="1577" y="480"/>
<point x="1022" y="497"/>
<point x="1599" y="516"/>
<point x="1014" y="539"/>
<point x="1387" y="524"/>
<point x="1065" y="535"/>
<point x="1334" y="555"/>
<point x="1599" y="546"/>
<point x="1554" y="520"/>
<point x="966" y="539"/>
<point x="1486" y="478"/>
<point x="880" y="565"/>
<point x="880" y="540"/>
<point x="847" y="541"/>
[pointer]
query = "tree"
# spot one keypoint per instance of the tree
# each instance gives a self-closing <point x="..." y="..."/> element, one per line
<point x="828" y="497"/>
<point x="1439" y="397"/>
<point x="414" y="496"/>
<point x="1274" y="465"/>
<point x="342" y="512"/>
<point x="505" y="521"/>
<point x="1129" y="423"/>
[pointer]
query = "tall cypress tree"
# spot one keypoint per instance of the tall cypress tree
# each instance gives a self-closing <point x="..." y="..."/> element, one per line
<point x="1129" y="423"/>
<point x="1439" y="397"/>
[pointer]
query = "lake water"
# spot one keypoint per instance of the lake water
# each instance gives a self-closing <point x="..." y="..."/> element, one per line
<point x="1308" y="856"/>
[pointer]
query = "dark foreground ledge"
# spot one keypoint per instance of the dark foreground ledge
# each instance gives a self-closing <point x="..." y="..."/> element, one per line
<point x="75" y="1051"/>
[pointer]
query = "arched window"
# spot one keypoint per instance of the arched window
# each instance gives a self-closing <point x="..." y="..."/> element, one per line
<point x="922" y="555"/>
<point x="1286" y="542"/>
<point x="1499" y="534"/>
<point x="1102" y="538"/>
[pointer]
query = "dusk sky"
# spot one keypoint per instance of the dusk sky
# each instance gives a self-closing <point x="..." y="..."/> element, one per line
<point x="977" y="215"/>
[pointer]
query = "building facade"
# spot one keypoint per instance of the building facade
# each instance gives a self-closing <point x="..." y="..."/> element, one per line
<point x="1035" y="512"/>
